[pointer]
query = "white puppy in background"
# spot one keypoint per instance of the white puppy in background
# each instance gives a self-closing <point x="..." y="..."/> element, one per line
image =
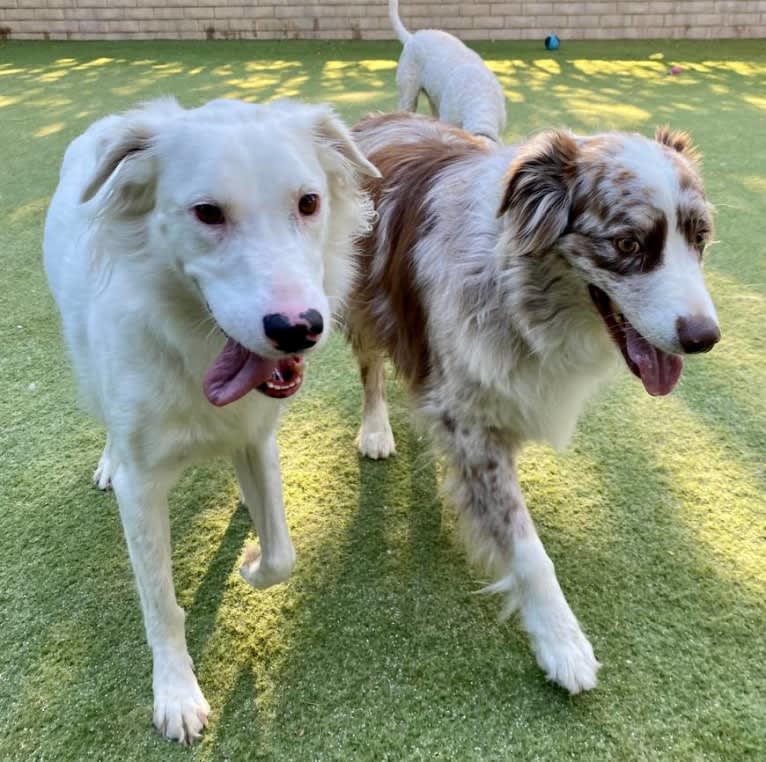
<point x="195" y="256"/>
<point x="459" y="86"/>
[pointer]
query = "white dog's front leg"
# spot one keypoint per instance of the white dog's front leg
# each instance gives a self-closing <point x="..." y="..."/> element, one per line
<point x="180" y="709"/>
<point x="260" y="481"/>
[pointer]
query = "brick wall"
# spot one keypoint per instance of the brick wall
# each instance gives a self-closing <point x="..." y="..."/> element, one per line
<point x="368" y="19"/>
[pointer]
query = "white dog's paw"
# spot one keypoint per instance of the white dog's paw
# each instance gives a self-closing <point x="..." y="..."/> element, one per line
<point x="376" y="444"/>
<point x="566" y="657"/>
<point x="261" y="573"/>
<point x="102" y="476"/>
<point x="180" y="710"/>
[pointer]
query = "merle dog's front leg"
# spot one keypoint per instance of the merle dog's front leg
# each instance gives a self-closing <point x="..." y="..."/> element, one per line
<point x="257" y="468"/>
<point x="500" y="532"/>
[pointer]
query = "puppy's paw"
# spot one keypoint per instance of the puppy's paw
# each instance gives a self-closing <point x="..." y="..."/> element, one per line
<point x="262" y="573"/>
<point x="376" y="444"/>
<point x="102" y="476"/>
<point x="180" y="710"/>
<point x="567" y="659"/>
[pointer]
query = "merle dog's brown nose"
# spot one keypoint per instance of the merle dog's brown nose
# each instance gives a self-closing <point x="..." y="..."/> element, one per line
<point x="293" y="336"/>
<point x="697" y="333"/>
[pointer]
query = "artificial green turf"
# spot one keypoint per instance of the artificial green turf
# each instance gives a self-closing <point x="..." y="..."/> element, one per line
<point x="377" y="648"/>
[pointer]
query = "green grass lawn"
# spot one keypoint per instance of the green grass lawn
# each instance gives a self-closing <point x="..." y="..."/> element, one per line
<point x="378" y="647"/>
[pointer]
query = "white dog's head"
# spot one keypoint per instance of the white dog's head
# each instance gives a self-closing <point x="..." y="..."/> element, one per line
<point x="630" y="217"/>
<point x="256" y="208"/>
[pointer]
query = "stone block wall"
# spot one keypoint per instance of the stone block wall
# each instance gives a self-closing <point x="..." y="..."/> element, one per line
<point x="368" y="19"/>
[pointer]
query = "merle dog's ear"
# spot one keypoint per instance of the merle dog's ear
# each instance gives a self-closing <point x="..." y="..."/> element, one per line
<point x="538" y="190"/>
<point x="679" y="141"/>
<point x="125" y="158"/>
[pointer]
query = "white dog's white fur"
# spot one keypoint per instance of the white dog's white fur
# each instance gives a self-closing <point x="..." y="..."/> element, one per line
<point x="146" y="290"/>
<point x="457" y="83"/>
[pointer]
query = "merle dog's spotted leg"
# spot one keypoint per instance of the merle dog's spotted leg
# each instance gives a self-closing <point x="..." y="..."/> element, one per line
<point x="501" y="534"/>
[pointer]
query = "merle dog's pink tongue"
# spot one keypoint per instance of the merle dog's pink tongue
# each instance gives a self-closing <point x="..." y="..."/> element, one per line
<point x="235" y="372"/>
<point x="659" y="370"/>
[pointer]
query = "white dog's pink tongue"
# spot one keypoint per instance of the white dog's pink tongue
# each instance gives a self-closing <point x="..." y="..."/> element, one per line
<point x="235" y="372"/>
<point x="659" y="371"/>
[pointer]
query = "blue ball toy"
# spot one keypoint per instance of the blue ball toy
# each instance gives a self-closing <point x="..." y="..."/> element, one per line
<point x="552" y="42"/>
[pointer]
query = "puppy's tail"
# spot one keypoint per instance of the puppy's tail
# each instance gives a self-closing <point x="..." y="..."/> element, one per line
<point x="396" y="22"/>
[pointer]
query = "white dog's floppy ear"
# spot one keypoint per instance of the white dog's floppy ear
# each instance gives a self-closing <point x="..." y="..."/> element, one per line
<point x="538" y="189"/>
<point x="332" y="133"/>
<point x="126" y="142"/>
<point x="678" y="141"/>
<point x="127" y="156"/>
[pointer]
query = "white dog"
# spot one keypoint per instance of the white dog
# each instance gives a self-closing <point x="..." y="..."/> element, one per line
<point x="195" y="256"/>
<point x="507" y="285"/>
<point x="459" y="86"/>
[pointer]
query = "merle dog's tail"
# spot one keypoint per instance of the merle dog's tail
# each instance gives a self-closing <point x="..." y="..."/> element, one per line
<point x="396" y="22"/>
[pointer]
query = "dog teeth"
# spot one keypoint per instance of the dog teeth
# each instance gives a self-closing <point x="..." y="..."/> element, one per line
<point x="276" y="377"/>
<point x="281" y="387"/>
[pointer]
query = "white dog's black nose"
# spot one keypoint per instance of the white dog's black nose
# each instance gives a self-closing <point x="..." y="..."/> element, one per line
<point x="294" y="335"/>
<point x="697" y="333"/>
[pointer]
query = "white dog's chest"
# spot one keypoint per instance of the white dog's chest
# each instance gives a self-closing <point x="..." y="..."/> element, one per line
<point x="191" y="433"/>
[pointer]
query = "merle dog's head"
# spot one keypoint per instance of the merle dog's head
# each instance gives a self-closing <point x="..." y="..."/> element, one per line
<point x="629" y="215"/>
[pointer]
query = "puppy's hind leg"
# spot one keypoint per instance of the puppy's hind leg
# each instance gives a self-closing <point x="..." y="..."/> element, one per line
<point x="107" y="465"/>
<point x="408" y="82"/>
<point x="501" y="534"/>
<point x="257" y="468"/>
<point x="375" y="439"/>
<point x="408" y="96"/>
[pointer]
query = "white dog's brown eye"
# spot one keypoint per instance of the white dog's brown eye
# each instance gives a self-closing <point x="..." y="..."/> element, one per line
<point x="209" y="214"/>
<point x="308" y="204"/>
<point x="700" y="239"/>
<point x="629" y="246"/>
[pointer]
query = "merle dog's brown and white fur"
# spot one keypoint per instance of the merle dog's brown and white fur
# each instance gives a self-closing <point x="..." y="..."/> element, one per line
<point x="505" y="284"/>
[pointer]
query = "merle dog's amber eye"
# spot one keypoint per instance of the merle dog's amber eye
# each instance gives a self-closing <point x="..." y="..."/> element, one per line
<point x="209" y="214"/>
<point x="627" y="246"/>
<point x="308" y="204"/>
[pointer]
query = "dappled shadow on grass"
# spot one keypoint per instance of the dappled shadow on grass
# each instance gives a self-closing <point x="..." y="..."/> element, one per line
<point x="377" y="644"/>
<point x="734" y="420"/>
<point x="587" y="86"/>
<point x="73" y="626"/>
<point x="379" y="634"/>
<point x="681" y="584"/>
<point x="75" y="89"/>
<point x="391" y="631"/>
<point x="203" y="612"/>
